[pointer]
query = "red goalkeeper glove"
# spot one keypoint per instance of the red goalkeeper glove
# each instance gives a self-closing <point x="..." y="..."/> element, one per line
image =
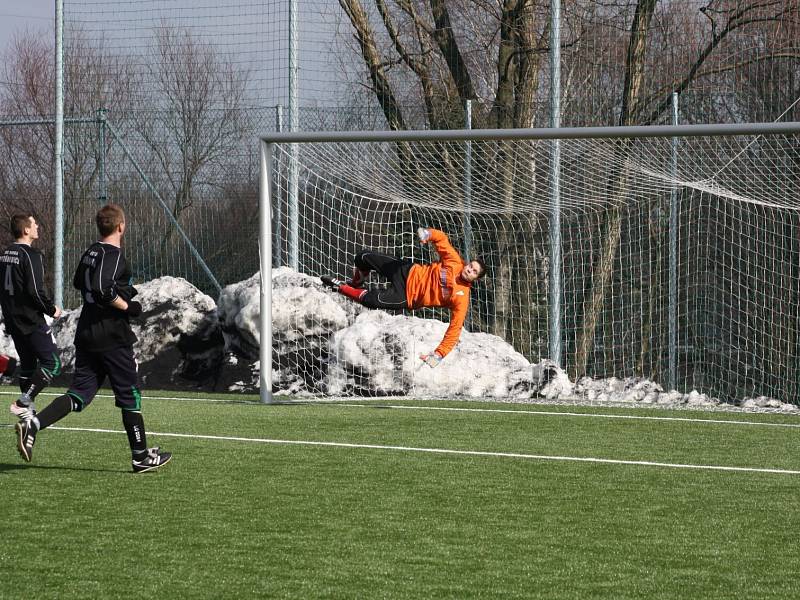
<point x="7" y="365"/>
<point x="432" y="360"/>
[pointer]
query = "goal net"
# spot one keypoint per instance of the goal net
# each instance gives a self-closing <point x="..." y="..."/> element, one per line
<point x="659" y="264"/>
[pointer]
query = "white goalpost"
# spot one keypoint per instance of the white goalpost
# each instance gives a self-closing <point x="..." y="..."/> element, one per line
<point x="677" y="250"/>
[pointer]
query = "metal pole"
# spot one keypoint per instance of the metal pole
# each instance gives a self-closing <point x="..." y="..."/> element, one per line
<point x="27" y="122"/>
<point x="102" y="194"/>
<point x="167" y="211"/>
<point x="554" y="313"/>
<point x="468" y="183"/>
<point x="276" y="232"/>
<point x="673" y="258"/>
<point x="265" y="227"/>
<point x="58" y="241"/>
<point x="540" y="133"/>
<point x="294" y="227"/>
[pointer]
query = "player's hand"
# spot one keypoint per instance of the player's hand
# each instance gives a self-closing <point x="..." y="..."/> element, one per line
<point x="432" y="360"/>
<point x="134" y="308"/>
<point x="58" y="312"/>
<point x="424" y="235"/>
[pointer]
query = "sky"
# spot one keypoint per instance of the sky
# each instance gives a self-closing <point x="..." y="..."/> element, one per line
<point x="317" y="28"/>
<point x="18" y="15"/>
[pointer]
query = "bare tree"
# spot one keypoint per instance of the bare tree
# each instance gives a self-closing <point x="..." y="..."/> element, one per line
<point x="194" y="116"/>
<point x="725" y="18"/>
<point x="94" y="78"/>
<point x="622" y="61"/>
<point x="26" y="162"/>
<point x="437" y="54"/>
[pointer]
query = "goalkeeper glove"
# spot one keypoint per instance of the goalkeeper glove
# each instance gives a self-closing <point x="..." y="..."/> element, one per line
<point x="7" y="365"/>
<point x="432" y="360"/>
<point x="134" y="308"/>
<point x="424" y="235"/>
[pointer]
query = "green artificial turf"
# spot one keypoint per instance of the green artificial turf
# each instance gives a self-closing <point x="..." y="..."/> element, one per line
<point x="238" y="515"/>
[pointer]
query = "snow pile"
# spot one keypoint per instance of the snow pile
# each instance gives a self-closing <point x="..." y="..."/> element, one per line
<point x="174" y="312"/>
<point x="378" y="354"/>
<point x="325" y="344"/>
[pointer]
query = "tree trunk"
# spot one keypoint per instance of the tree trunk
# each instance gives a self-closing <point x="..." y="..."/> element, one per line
<point x="601" y="276"/>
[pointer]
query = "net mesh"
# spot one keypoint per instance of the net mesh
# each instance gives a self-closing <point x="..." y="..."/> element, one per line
<point x="735" y="199"/>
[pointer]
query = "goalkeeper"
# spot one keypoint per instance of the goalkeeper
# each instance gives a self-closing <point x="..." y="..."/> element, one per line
<point x="446" y="283"/>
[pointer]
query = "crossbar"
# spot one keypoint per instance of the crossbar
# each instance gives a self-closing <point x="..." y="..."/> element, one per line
<point x="540" y="133"/>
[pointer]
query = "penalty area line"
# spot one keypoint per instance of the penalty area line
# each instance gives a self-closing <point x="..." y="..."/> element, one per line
<point x="446" y="451"/>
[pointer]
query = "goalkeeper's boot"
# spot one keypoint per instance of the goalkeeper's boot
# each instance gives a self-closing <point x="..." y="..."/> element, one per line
<point x="359" y="278"/>
<point x="151" y="461"/>
<point x="23" y="408"/>
<point x="331" y="282"/>
<point x="26" y="437"/>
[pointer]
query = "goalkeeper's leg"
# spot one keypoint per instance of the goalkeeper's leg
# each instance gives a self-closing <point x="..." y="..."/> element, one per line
<point x="368" y="260"/>
<point x="393" y="297"/>
<point x="389" y="299"/>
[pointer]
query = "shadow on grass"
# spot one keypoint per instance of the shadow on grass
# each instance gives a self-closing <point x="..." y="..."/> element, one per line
<point x="8" y="468"/>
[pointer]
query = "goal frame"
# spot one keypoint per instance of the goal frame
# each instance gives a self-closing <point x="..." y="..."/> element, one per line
<point x="269" y="140"/>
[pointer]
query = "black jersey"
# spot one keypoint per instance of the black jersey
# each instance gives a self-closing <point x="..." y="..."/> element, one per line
<point x="23" y="297"/>
<point x="102" y="275"/>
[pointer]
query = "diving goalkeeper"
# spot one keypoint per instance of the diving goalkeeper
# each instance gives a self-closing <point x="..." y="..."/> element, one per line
<point x="446" y="283"/>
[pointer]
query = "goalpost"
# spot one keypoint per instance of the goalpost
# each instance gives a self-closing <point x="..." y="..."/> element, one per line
<point x="720" y="226"/>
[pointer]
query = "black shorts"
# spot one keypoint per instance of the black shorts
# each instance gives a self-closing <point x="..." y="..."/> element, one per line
<point x="91" y="370"/>
<point x="396" y="270"/>
<point x="37" y="349"/>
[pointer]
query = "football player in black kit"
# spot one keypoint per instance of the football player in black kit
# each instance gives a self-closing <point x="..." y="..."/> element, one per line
<point x="24" y="301"/>
<point x="103" y="345"/>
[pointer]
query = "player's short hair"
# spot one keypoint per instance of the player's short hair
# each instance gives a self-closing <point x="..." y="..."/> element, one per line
<point x="19" y="223"/>
<point x="108" y="218"/>
<point x="482" y="265"/>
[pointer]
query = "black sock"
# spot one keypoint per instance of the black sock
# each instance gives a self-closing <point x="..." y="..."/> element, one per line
<point x="40" y="380"/>
<point x="55" y="411"/>
<point x="134" y="426"/>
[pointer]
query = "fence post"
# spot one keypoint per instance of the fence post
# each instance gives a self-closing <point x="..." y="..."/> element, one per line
<point x="276" y="231"/>
<point x="467" y="183"/>
<point x="294" y="118"/>
<point x="58" y="151"/>
<point x="102" y="193"/>
<point x="554" y="316"/>
<point x="673" y="258"/>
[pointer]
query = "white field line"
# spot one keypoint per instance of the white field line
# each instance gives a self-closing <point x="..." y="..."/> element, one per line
<point x="518" y="455"/>
<point x="574" y="414"/>
<point x="351" y="404"/>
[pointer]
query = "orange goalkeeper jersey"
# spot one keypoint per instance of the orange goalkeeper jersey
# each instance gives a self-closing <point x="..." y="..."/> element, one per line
<point x="440" y="284"/>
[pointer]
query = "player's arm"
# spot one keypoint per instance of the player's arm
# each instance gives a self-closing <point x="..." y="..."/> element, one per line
<point x="102" y="278"/>
<point x="34" y="284"/>
<point x="104" y="284"/>
<point x="440" y="243"/>
<point x="457" y="316"/>
<point x="450" y="339"/>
